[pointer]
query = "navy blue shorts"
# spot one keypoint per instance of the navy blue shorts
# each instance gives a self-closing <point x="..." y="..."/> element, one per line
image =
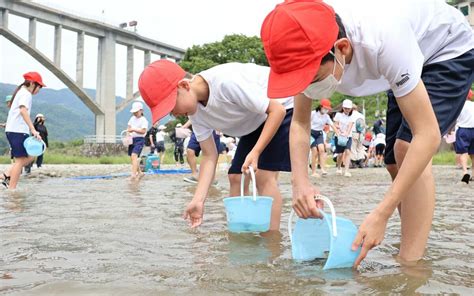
<point x="379" y="149"/>
<point x="464" y="141"/>
<point x="16" y="144"/>
<point x="275" y="157"/>
<point x="318" y="138"/>
<point x="137" y="146"/>
<point x="160" y="146"/>
<point x="194" y="144"/>
<point x="340" y="149"/>
<point x="447" y="84"/>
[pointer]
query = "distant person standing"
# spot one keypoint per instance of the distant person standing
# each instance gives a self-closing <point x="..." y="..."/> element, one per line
<point x="19" y="126"/>
<point x="41" y="128"/>
<point x="178" y="147"/>
<point x="150" y="138"/>
<point x="8" y="102"/>
<point x="137" y="127"/>
<point x="160" y="142"/>
<point x="378" y="126"/>
<point x="465" y="137"/>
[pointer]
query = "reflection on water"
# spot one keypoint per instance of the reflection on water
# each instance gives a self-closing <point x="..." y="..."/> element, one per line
<point x="122" y="237"/>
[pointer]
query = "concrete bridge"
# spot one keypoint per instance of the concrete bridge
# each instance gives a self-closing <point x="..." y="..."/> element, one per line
<point x="103" y="105"/>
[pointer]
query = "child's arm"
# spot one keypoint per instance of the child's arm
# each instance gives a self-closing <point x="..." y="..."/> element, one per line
<point x="349" y="130"/>
<point x="276" y="113"/>
<point x="195" y="209"/>
<point x="26" y="118"/>
<point x="417" y="110"/>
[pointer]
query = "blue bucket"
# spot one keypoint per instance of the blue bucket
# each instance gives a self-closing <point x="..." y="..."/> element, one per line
<point x="34" y="147"/>
<point x="248" y="213"/>
<point x="342" y="141"/>
<point x="324" y="238"/>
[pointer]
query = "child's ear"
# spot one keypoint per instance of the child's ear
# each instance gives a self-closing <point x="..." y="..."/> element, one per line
<point x="184" y="83"/>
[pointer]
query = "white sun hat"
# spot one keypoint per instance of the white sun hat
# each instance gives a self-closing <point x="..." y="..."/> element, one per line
<point x="347" y="104"/>
<point x="136" y="106"/>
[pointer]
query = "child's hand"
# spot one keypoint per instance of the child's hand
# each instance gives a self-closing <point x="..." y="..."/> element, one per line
<point x="194" y="212"/>
<point x="130" y="130"/>
<point x="250" y="160"/>
<point x="36" y="135"/>
<point x="304" y="203"/>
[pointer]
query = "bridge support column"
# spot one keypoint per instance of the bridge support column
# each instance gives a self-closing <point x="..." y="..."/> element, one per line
<point x="105" y="97"/>
<point x="57" y="44"/>
<point x="32" y="32"/>
<point x="130" y="58"/>
<point x="147" y="59"/>
<point x="4" y="18"/>
<point x="80" y="59"/>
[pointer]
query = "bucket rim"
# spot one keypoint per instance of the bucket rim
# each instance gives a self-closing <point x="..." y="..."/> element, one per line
<point x="247" y="197"/>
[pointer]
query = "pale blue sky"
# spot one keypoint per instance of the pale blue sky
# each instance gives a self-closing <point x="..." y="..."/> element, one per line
<point x="180" y="23"/>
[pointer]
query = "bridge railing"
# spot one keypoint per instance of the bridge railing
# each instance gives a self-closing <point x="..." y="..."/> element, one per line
<point x="102" y="139"/>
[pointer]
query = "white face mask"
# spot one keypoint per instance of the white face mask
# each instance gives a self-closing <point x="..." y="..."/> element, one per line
<point x="325" y="88"/>
<point x="324" y="111"/>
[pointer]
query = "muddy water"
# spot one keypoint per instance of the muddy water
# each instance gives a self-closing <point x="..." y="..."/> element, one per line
<point x="115" y="237"/>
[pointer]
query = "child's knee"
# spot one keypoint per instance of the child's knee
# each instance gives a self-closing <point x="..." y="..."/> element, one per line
<point x="234" y="179"/>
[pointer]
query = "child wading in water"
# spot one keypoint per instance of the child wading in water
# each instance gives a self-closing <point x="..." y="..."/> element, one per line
<point x="137" y="126"/>
<point x="230" y="98"/>
<point x="19" y="126"/>
<point x="423" y="51"/>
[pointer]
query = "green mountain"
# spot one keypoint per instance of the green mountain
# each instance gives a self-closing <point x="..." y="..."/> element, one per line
<point x="67" y="118"/>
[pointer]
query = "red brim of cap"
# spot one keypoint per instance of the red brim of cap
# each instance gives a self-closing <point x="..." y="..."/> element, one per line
<point x="282" y="85"/>
<point x="164" y="108"/>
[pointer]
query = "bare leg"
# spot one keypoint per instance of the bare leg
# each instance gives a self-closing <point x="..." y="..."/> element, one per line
<point x="417" y="210"/>
<point x="267" y="185"/>
<point x="191" y="158"/>
<point x="339" y="160"/>
<point x="347" y="159"/>
<point x="135" y="165"/>
<point x="234" y="181"/>
<point x="463" y="158"/>
<point x="472" y="164"/>
<point x="322" y="158"/>
<point x="162" y="157"/>
<point x="314" y="157"/>
<point x="15" y="170"/>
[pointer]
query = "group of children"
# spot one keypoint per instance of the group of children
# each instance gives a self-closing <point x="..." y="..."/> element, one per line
<point x="312" y="51"/>
<point x="421" y="50"/>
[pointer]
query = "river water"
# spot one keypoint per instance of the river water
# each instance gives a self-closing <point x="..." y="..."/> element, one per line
<point x="60" y="236"/>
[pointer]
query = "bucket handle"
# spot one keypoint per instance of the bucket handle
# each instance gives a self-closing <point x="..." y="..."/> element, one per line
<point x="254" y="186"/>
<point x="123" y="132"/>
<point x="333" y="213"/>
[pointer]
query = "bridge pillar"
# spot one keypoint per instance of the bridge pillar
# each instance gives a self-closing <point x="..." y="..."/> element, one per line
<point x="130" y="58"/>
<point x="80" y="59"/>
<point x="105" y="96"/>
<point x="57" y="44"/>
<point x="32" y="32"/>
<point x="4" y="18"/>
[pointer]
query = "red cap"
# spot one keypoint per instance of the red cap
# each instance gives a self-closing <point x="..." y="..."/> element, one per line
<point x="469" y="94"/>
<point x="368" y="136"/>
<point x="296" y="35"/>
<point x="158" y="85"/>
<point x="35" y="77"/>
<point x="326" y="104"/>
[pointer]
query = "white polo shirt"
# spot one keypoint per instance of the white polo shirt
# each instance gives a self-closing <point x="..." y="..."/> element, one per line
<point x="138" y="123"/>
<point x="393" y="40"/>
<point x="318" y="120"/>
<point x="344" y="122"/>
<point x="15" y="122"/>
<point x="237" y="103"/>
<point x="466" y="118"/>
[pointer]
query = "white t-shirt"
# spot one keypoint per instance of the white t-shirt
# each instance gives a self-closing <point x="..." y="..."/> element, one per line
<point x="160" y="136"/>
<point x="466" y="118"/>
<point x="379" y="139"/>
<point x="392" y="40"/>
<point x="138" y="123"/>
<point x="344" y="121"/>
<point x="355" y="116"/>
<point x="237" y="101"/>
<point x="318" y="120"/>
<point x="15" y="122"/>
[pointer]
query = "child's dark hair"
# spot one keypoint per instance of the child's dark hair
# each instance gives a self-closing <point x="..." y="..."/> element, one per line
<point x="26" y="83"/>
<point x="341" y="34"/>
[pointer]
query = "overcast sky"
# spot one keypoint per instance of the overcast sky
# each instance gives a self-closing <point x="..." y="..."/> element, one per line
<point x="181" y="23"/>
